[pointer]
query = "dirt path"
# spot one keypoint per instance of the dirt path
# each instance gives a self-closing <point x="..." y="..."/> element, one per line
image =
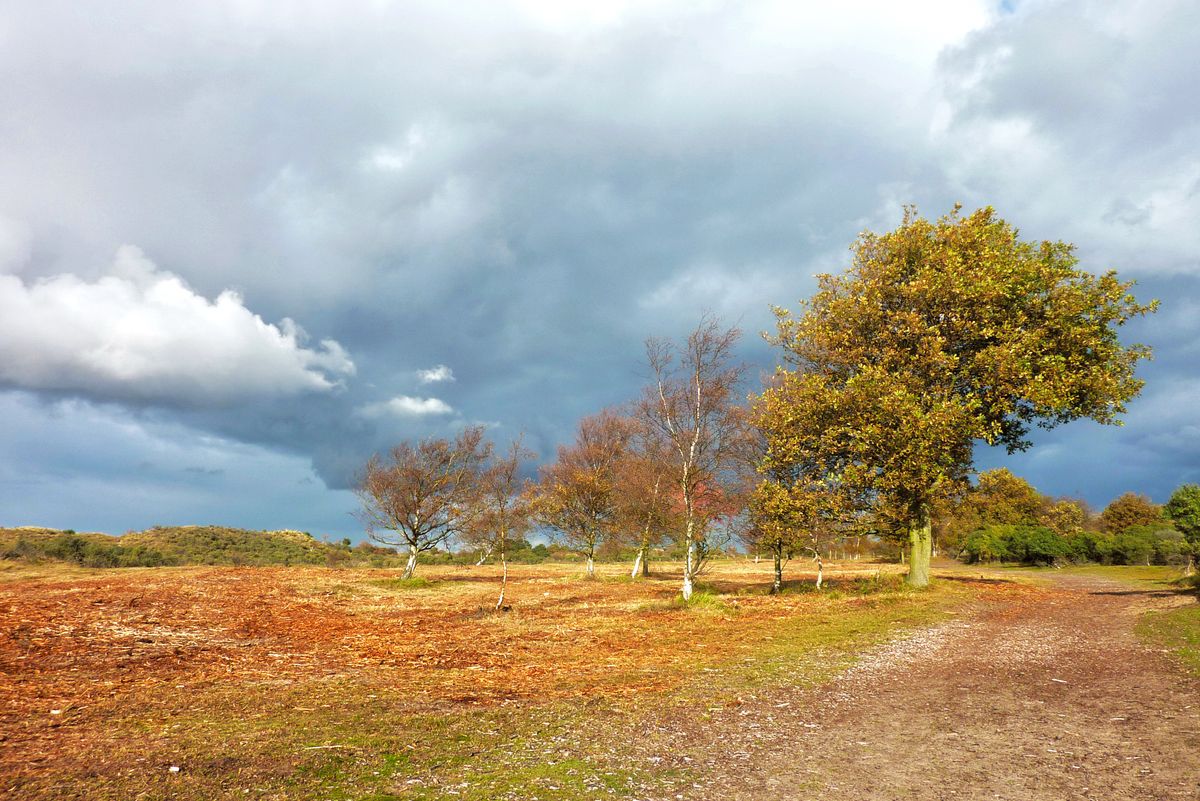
<point x="1045" y="696"/>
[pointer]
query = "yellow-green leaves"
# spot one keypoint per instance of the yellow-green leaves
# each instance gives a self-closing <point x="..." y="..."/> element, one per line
<point x="939" y="335"/>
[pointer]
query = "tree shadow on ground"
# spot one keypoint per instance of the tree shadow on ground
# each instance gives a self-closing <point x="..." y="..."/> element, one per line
<point x="974" y="579"/>
<point x="1164" y="592"/>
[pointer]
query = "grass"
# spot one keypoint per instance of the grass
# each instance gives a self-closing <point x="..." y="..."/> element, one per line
<point x="1177" y="631"/>
<point x="1154" y="574"/>
<point x="840" y="626"/>
<point x="413" y="583"/>
<point x="1157" y="576"/>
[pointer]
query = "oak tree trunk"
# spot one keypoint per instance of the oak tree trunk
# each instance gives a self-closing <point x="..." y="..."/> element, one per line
<point x="920" y="539"/>
<point x="777" y="586"/>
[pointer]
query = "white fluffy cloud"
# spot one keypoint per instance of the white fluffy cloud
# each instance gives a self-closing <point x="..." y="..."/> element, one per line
<point x="141" y="334"/>
<point x="435" y="374"/>
<point x="407" y="406"/>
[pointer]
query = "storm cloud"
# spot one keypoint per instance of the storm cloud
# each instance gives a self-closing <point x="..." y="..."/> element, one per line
<point x="360" y="222"/>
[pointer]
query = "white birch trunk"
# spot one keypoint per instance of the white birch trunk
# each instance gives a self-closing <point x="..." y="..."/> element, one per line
<point x="637" y="565"/>
<point x="820" y="572"/>
<point x="591" y="566"/>
<point x="689" y="565"/>
<point x="412" y="563"/>
<point x="503" y="582"/>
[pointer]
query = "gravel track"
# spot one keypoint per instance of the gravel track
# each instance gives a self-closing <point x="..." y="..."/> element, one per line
<point x="1045" y="695"/>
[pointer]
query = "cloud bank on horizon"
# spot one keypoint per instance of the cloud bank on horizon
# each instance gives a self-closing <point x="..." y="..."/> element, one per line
<point x="244" y="245"/>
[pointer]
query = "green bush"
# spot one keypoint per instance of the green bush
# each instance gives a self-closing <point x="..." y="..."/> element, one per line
<point x="1030" y="545"/>
<point x="68" y="546"/>
<point x="1036" y="545"/>
<point x="986" y="545"/>
<point x="1144" y="545"/>
<point x="1085" y="546"/>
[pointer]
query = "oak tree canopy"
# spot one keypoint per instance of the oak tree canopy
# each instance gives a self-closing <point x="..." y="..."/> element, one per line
<point x="940" y="334"/>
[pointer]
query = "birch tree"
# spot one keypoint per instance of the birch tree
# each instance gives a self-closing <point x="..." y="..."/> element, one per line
<point x="419" y="496"/>
<point x="576" y="494"/>
<point x="503" y="511"/>
<point x="693" y="406"/>
<point x="644" y="497"/>
<point x="940" y="335"/>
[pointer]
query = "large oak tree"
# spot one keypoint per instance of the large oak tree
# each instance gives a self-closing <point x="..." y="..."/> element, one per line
<point x="942" y="334"/>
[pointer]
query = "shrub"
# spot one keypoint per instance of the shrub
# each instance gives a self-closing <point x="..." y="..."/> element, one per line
<point x="1036" y="545"/>
<point x="1030" y="545"/>
<point x="986" y="545"/>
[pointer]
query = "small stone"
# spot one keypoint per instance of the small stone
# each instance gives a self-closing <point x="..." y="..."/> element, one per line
<point x="174" y="768"/>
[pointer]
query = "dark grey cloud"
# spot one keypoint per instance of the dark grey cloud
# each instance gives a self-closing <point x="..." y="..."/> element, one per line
<point x="522" y="192"/>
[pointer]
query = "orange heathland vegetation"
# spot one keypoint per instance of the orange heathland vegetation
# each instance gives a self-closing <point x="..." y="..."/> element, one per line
<point x="81" y="650"/>
<point x="73" y="639"/>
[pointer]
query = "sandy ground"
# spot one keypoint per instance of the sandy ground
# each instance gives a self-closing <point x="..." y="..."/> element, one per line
<point x="1043" y="695"/>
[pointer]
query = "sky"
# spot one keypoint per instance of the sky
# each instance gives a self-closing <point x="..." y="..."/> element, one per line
<point x="246" y="244"/>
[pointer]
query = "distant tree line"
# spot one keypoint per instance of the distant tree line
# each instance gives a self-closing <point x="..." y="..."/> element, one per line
<point x="1004" y="519"/>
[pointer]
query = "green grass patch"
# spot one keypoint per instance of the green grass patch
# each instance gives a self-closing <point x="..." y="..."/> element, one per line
<point x="1176" y="630"/>
<point x="414" y="583"/>
<point x="813" y="646"/>
<point x="551" y="780"/>
<point x="701" y="599"/>
<point x="1145" y="577"/>
<point x="1154" y="574"/>
<point x="878" y="583"/>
